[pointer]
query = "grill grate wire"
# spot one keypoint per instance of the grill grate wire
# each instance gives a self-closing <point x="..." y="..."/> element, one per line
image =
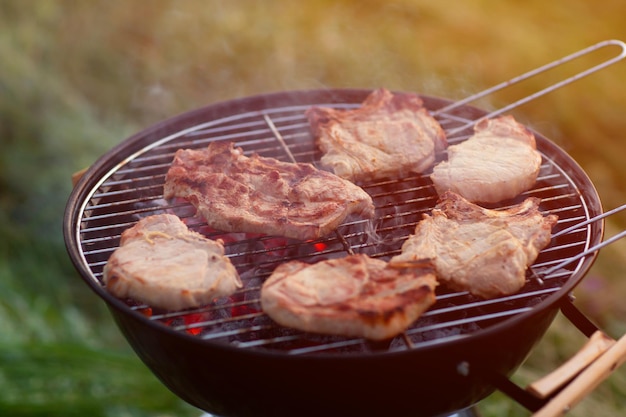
<point x="133" y="189"/>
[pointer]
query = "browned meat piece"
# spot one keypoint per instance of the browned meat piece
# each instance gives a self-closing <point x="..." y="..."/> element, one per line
<point x="389" y="136"/>
<point x="485" y="252"/>
<point x="235" y="193"/>
<point x="352" y="296"/>
<point x="162" y="263"/>
<point x="498" y="162"/>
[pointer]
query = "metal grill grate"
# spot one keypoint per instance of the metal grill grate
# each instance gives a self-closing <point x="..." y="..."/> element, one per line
<point x="133" y="189"/>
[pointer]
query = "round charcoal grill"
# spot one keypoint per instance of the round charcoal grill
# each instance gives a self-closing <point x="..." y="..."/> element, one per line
<point x="229" y="358"/>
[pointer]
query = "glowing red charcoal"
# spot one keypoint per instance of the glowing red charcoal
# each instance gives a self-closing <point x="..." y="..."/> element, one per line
<point x="239" y="306"/>
<point x="146" y="311"/>
<point x="242" y="310"/>
<point x="191" y="319"/>
<point x="319" y="246"/>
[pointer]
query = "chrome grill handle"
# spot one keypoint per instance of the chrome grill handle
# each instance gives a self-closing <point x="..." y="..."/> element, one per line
<point x="534" y="72"/>
<point x="592" y="249"/>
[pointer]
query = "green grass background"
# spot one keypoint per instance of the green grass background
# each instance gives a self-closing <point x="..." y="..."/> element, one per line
<point x="78" y="77"/>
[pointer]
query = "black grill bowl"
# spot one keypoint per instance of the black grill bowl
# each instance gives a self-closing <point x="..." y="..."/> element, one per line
<point x="479" y="343"/>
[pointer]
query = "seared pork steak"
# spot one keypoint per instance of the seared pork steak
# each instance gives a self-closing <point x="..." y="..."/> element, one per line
<point x="485" y="252"/>
<point x="164" y="264"/>
<point x="352" y="296"/>
<point x="389" y="136"/>
<point x="235" y="193"/>
<point x="498" y="162"/>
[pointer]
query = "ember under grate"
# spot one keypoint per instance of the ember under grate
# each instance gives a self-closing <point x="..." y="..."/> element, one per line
<point x="133" y="189"/>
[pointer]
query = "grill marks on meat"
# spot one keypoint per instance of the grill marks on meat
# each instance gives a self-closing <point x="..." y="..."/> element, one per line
<point x="389" y="136"/>
<point x="235" y="193"/>
<point x="352" y="296"/>
<point x="164" y="264"/>
<point x="497" y="163"/>
<point x="483" y="251"/>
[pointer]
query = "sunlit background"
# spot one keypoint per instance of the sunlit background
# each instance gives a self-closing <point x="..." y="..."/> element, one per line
<point x="77" y="78"/>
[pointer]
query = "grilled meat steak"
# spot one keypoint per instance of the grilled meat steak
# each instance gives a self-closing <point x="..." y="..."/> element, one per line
<point x="498" y="162"/>
<point x="485" y="252"/>
<point x="162" y="263"/>
<point x="352" y="296"/>
<point x="235" y="193"/>
<point x="389" y="136"/>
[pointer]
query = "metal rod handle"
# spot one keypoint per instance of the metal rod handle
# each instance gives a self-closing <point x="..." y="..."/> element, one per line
<point x="533" y="73"/>
<point x="580" y="255"/>
<point x="589" y="221"/>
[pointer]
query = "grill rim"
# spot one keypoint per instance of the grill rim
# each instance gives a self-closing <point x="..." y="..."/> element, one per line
<point x="144" y="140"/>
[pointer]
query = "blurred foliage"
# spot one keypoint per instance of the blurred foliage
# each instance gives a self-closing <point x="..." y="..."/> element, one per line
<point x="76" y="78"/>
<point x="52" y="380"/>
